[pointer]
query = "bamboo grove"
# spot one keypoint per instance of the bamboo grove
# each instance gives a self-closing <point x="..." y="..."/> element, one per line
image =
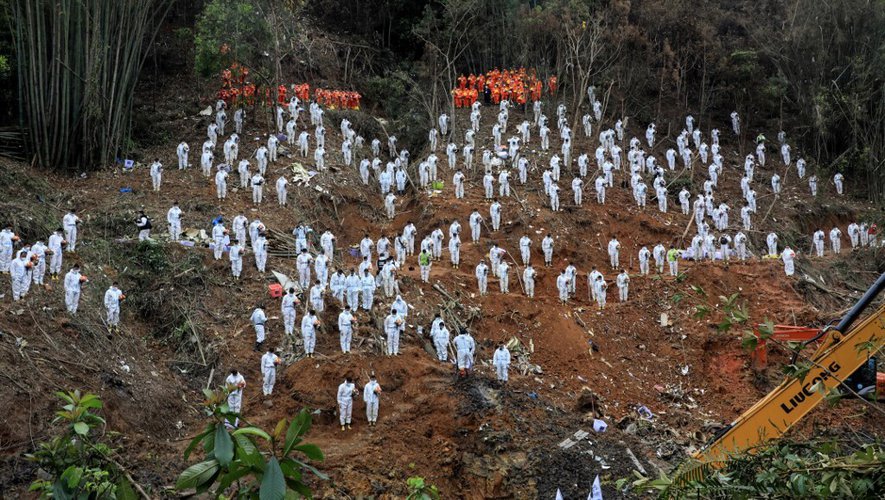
<point x="78" y="65"/>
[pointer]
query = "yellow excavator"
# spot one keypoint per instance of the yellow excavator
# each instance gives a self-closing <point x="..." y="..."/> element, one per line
<point x="842" y="351"/>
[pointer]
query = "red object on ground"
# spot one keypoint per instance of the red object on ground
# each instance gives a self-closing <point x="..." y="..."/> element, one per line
<point x="880" y="385"/>
<point x="782" y="333"/>
<point x="275" y="290"/>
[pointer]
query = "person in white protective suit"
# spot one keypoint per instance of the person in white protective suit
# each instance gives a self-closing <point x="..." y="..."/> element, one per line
<point x="372" y="396"/>
<point x="501" y="360"/>
<point x="346" y="392"/>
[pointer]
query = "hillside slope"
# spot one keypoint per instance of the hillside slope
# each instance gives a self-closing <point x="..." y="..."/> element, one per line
<point x="186" y="324"/>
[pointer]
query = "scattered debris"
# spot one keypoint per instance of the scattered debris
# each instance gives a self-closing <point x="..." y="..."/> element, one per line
<point x="574" y="439"/>
<point x="300" y="175"/>
<point x="636" y="462"/>
<point x="287" y="282"/>
<point x="644" y="412"/>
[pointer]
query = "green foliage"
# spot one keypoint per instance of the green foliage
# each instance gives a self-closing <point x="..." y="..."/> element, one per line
<point x="233" y="456"/>
<point x="151" y="257"/>
<point x="230" y="31"/>
<point x="79" y="465"/>
<point x="785" y="470"/>
<point x="867" y="347"/>
<point x="168" y="285"/>
<point x="78" y="64"/>
<point x="834" y="395"/>
<point x="798" y="370"/>
<point x="725" y="324"/>
<point x="728" y="303"/>
<point x="419" y="489"/>
<point x="399" y="96"/>
<point x="766" y="329"/>
<point x="744" y="65"/>
<point x="701" y="312"/>
<point x="678" y="183"/>
<point x="391" y="91"/>
<point x="733" y="313"/>
<point x="775" y="89"/>
<point x="750" y="340"/>
<point x="183" y="34"/>
<point x="832" y="83"/>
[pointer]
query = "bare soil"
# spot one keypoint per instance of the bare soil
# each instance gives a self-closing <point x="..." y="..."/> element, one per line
<point x="473" y="438"/>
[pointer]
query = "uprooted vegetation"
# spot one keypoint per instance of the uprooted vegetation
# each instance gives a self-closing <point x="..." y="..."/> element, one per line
<point x="170" y="298"/>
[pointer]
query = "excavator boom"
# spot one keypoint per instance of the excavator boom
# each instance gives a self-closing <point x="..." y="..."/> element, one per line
<point x="837" y="358"/>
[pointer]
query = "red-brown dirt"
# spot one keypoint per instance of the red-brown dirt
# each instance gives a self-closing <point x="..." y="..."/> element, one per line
<point x="473" y="438"/>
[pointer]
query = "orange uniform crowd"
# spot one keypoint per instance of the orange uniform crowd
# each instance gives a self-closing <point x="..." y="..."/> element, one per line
<point x="244" y="94"/>
<point x="517" y="85"/>
<point x="235" y="90"/>
<point x="301" y="91"/>
<point x="338" y="99"/>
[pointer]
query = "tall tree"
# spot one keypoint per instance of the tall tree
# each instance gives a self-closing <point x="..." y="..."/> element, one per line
<point x="830" y="69"/>
<point x="446" y="34"/>
<point x="585" y="56"/>
<point x="78" y="63"/>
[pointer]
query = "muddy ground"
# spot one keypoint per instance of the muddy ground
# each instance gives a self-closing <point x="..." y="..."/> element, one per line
<point x="187" y="324"/>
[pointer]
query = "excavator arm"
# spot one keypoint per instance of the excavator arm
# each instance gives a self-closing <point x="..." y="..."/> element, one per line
<point x="838" y="356"/>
